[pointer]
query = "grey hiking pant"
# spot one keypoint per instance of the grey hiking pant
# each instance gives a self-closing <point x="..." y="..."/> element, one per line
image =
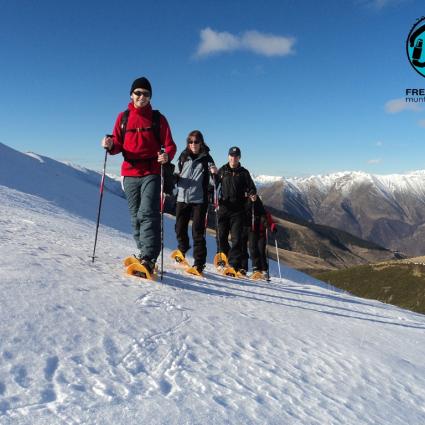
<point x="143" y="196"/>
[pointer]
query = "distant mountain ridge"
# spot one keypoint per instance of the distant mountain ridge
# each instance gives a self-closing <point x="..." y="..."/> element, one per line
<point x="386" y="209"/>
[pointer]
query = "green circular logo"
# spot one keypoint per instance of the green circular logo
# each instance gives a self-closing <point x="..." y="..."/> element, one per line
<point x="415" y="46"/>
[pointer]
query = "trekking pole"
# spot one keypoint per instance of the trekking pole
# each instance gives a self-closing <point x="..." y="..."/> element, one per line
<point x="277" y="256"/>
<point x="162" y="217"/>
<point x="217" y="239"/>
<point x="267" y="255"/>
<point x="102" y="184"/>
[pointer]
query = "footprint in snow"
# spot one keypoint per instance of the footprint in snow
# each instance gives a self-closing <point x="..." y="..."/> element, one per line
<point x="52" y="364"/>
<point x="165" y="387"/>
<point x="7" y="355"/>
<point x="111" y="350"/>
<point x="4" y="407"/>
<point x="20" y="375"/>
<point x="221" y="401"/>
<point x="48" y="395"/>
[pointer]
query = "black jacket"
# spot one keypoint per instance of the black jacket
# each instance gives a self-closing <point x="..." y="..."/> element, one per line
<point x="235" y="185"/>
<point x="259" y="213"/>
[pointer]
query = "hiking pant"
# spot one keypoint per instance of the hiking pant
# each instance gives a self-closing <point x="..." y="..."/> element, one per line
<point x="183" y="214"/>
<point x="143" y="197"/>
<point x="257" y="251"/>
<point x="244" y="248"/>
<point x="231" y="221"/>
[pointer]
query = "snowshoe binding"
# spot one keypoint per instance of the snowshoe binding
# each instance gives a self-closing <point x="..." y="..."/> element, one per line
<point x="221" y="261"/>
<point x="179" y="258"/>
<point x="229" y="271"/>
<point x="241" y="273"/>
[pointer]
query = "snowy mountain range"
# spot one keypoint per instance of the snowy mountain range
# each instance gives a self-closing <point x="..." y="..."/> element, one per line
<point x="388" y="210"/>
<point x="82" y="343"/>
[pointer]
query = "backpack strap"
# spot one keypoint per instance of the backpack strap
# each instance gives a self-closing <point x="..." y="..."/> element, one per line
<point x="155" y="127"/>
<point x="206" y="181"/>
<point x="182" y="159"/>
<point x="123" y="124"/>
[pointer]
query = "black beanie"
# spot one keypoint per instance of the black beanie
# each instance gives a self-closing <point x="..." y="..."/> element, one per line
<point x="141" y="83"/>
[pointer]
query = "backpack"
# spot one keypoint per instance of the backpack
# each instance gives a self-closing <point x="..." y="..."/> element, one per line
<point x="168" y="167"/>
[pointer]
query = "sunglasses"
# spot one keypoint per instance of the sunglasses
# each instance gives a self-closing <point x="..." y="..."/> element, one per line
<point x="139" y="93"/>
<point x="193" y="142"/>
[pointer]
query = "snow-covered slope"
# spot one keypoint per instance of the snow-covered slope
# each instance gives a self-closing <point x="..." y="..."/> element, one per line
<point x="81" y="343"/>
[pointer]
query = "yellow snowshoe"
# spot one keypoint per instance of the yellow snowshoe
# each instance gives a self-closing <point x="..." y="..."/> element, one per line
<point x="178" y="257"/>
<point x="130" y="260"/>
<point x="139" y="270"/>
<point x="220" y="260"/>
<point x="229" y="271"/>
<point x="242" y="274"/>
<point x="194" y="271"/>
<point x="257" y="275"/>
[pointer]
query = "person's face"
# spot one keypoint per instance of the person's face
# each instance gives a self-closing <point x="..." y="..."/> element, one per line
<point x="234" y="161"/>
<point x="194" y="145"/>
<point x="140" y="97"/>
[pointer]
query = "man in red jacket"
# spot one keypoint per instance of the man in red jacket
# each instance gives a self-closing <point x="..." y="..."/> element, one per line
<point x="141" y="168"/>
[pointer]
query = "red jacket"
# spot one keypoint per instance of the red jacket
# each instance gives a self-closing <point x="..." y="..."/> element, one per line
<point x="141" y="146"/>
<point x="266" y="221"/>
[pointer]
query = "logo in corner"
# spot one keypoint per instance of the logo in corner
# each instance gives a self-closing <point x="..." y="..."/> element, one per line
<point x="415" y="46"/>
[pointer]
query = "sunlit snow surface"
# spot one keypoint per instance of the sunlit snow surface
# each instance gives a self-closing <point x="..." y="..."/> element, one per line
<point x="82" y="343"/>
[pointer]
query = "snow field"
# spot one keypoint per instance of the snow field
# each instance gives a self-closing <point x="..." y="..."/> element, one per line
<point x="82" y="343"/>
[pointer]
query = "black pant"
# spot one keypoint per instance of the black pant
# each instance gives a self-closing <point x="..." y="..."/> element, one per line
<point x="183" y="214"/>
<point x="257" y="251"/>
<point x="244" y="248"/>
<point x="231" y="221"/>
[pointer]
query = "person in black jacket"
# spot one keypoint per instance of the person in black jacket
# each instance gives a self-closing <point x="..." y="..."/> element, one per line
<point x="235" y="186"/>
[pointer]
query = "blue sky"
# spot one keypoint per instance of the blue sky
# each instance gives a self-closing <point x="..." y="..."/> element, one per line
<point x="303" y="87"/>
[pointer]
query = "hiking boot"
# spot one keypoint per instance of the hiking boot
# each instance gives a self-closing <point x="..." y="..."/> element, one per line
<point x="149" y="264"/>
<point x="242" y="272"/>
<point x="199" y="268"/>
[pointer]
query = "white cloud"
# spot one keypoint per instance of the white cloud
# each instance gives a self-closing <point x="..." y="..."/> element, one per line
<point x="395" y="106"/>
<point x="212" y="42"/>
<point x="267" y="44"/>
<point x="374" y="161"/>
<point x="264" y="44"/>
<point x="379" y="144"/>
